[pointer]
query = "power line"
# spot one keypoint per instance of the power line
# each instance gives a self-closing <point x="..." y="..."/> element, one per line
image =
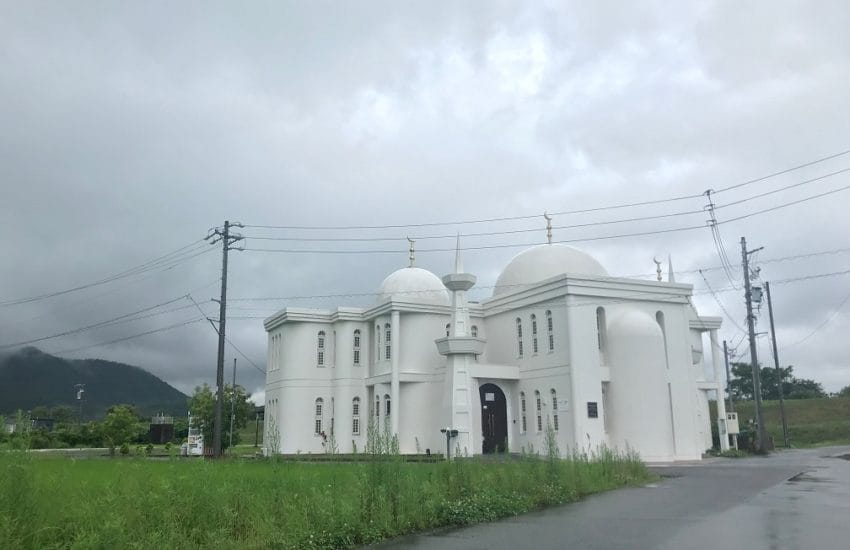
<point x="108" y="322"/>
<point x="564" y="241"/>
<point x="166" y="262"/>
<point x="212" y="323"/>
<point x="468" y="222"/>
<point x="820" y="326"/>
<point x="720" y="304"/>
<point x="787" y="187"/>
<point x="566" y="212"/>
<point x="781" y="172"/>
<point x="481" y="234"/>
<point x="154" y="331"/>
<point x="792" y="203"/>
<point x="481" y="247"/>
<point x="239" y="351"/>
<point x="804" y="255"/>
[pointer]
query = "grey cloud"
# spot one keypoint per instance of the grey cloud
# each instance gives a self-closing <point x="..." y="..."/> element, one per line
<point x="137" y="128"/>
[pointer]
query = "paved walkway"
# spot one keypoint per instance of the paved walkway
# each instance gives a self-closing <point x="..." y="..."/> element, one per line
<point x="791" y="499"/>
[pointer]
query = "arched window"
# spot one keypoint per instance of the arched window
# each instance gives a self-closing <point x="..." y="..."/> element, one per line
<point x="355" y="416"/>
<point x="377" y="343"/>
<point x="523" y="423"/>
<point x="659" y="317"/>
<point x="449" y="329"/>
<point x="539" y="410"/>
<point x="320" y="349"/>
<point x="317" y="425"/>
<point x="533" y="333"/>
<point x="601" y="330"/>
<point x="550" y="330"/>
<point x="387" y="408"/>
<point x="357" y="347"/>
<point x="377" y="407"/>
<point x="519" y="336"/>
<point x="333" y="409"/>
<point x="474" y="331"/>
<point x="554" y="409"/>
<point x="387" y="348"/>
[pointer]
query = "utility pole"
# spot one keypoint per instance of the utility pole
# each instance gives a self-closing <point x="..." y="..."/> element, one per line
<point x="748" y="296"/>
<point x="227" y="240"/>
<point x="778" y="368"/>
<point x="232" y="403"/>
<point x="728" y="378"/>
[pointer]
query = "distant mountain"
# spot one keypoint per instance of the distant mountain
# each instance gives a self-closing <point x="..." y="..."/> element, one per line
<point x="30" y="377"/>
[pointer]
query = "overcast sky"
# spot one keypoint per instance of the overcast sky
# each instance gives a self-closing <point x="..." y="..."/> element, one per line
<point x="129" y="130"/>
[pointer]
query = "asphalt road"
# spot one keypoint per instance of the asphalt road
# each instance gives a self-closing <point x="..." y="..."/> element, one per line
<point x="791" y="499"/>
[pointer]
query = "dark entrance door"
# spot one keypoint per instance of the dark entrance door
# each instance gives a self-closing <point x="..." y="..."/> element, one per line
<point x="494" y="418"/>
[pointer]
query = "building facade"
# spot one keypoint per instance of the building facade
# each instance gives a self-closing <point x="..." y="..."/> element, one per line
<point x="559" y="346"/>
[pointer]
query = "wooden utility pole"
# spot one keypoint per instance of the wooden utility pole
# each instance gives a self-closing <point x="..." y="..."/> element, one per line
<point x="227" y="240"/>
<point x="748" y="296"/>
<point x="778" y="368"/>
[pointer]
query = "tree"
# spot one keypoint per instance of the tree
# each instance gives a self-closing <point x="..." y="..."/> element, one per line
<point x="40" y="412"/>
<point x="202" y="407"/>
<point x="741" y="383"/>
<point x="844" y="392"/>
<point x="119" y="426"/>
<point x="63" y="414"/>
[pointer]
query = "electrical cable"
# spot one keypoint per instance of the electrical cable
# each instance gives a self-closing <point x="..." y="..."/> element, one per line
<point x="793" y="185"/>
<point x="786" y="171"/>
<point x="166" y="262"/>
<point x="101" y="324"/>
<point x="482" y="234"/>
<point x="820" y="326"/>
<point x="792" y="203"/>
<point x="154" y="331"/>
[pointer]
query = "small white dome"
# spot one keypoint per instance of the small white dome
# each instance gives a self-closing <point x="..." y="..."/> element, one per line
<point x="414" y="284"/>
<point x="633" y="322"/>
<point x="542" y="262"/>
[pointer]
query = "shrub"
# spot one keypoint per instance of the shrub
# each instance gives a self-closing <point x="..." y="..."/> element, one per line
<point x="125" y="449"/>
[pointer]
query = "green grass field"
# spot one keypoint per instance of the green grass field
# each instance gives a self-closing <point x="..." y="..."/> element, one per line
<point x="191" y="503"/>
<point x="810" y="421"/>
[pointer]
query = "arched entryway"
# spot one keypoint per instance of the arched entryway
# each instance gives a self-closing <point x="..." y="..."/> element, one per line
<point x="494" y="419"/>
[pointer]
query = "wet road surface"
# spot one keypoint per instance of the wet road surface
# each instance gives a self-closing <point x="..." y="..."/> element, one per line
<point x="792" y="499"/>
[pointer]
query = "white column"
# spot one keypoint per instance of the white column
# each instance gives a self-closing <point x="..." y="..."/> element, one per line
<point x="395" y="327"/>
<point x="718" y="380"/>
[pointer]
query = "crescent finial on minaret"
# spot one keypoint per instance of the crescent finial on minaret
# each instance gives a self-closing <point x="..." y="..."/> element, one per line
<point x="548" y="219"/>
<point x="412" y="251"/>
<point x="657" y="267"/>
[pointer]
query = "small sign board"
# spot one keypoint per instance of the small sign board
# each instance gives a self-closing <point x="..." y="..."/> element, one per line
<point x="489" y="396"/>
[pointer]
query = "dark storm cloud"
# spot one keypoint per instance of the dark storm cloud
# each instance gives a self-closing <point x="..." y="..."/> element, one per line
<point x="132" y="130"/>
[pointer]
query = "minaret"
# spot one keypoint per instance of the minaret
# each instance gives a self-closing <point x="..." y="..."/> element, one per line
<point x="460" y="350"/>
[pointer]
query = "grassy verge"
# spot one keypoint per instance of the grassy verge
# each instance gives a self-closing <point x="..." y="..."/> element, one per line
<point x="811" y="422"/>
<point x="143" y="503"/>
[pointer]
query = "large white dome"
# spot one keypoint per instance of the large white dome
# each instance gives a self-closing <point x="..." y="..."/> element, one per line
<point x="414" y="284"/>
<point x="542" y="262"/>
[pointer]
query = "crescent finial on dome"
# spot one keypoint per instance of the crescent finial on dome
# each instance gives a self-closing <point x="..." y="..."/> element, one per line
<point x="412" y="251"/>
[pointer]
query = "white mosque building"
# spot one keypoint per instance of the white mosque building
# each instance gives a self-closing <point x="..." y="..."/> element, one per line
<point x="560" y="345"/>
